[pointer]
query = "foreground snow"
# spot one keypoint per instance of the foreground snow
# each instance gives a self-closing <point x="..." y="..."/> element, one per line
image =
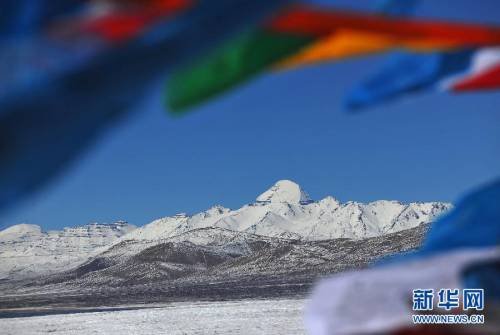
<point x="282" y="316"/>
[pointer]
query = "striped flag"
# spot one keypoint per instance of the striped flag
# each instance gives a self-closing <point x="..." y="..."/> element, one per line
<point x="483" y="73"/>
<point x="456" y="71"/>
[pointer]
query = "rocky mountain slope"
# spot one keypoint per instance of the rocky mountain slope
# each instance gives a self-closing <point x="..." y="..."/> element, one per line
<point x="215" y="254"/>
<point x="205" y="263"/>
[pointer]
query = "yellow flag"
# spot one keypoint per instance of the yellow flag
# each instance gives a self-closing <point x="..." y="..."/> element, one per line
<point x="346" y="43"/>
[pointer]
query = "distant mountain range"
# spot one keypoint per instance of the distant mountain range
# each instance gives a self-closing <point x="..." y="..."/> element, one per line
<point x="284" y="211"/>
<point x="284" y="235"/>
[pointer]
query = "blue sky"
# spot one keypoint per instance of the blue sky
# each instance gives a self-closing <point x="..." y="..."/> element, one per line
<point x="288" y="125"/>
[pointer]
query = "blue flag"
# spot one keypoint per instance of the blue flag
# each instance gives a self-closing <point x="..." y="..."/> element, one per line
<point x="408" y="73"/>
<point x="50" y="113"/>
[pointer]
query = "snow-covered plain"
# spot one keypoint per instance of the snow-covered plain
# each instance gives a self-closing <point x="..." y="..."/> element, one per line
<point x="274" y="316"/>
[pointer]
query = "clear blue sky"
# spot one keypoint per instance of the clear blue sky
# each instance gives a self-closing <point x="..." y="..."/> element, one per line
<point x="289" y="125"/>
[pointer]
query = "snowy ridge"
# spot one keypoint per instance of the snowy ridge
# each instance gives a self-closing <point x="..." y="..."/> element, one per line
<point x="286" y="211"/>
<point x="25" y="250"/>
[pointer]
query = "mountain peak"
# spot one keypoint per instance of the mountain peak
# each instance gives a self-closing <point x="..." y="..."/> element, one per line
<point x="19" y="230"/>
<point x="285" y="191"/>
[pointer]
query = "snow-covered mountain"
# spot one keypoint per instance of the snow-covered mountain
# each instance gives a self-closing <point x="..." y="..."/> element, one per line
<point x="26" y="250"/>
<point x="211" y="263"/>
<point x="286" y="211"/>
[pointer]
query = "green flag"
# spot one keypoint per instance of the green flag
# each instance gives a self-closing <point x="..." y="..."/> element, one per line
<point x="232" y="64"/>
